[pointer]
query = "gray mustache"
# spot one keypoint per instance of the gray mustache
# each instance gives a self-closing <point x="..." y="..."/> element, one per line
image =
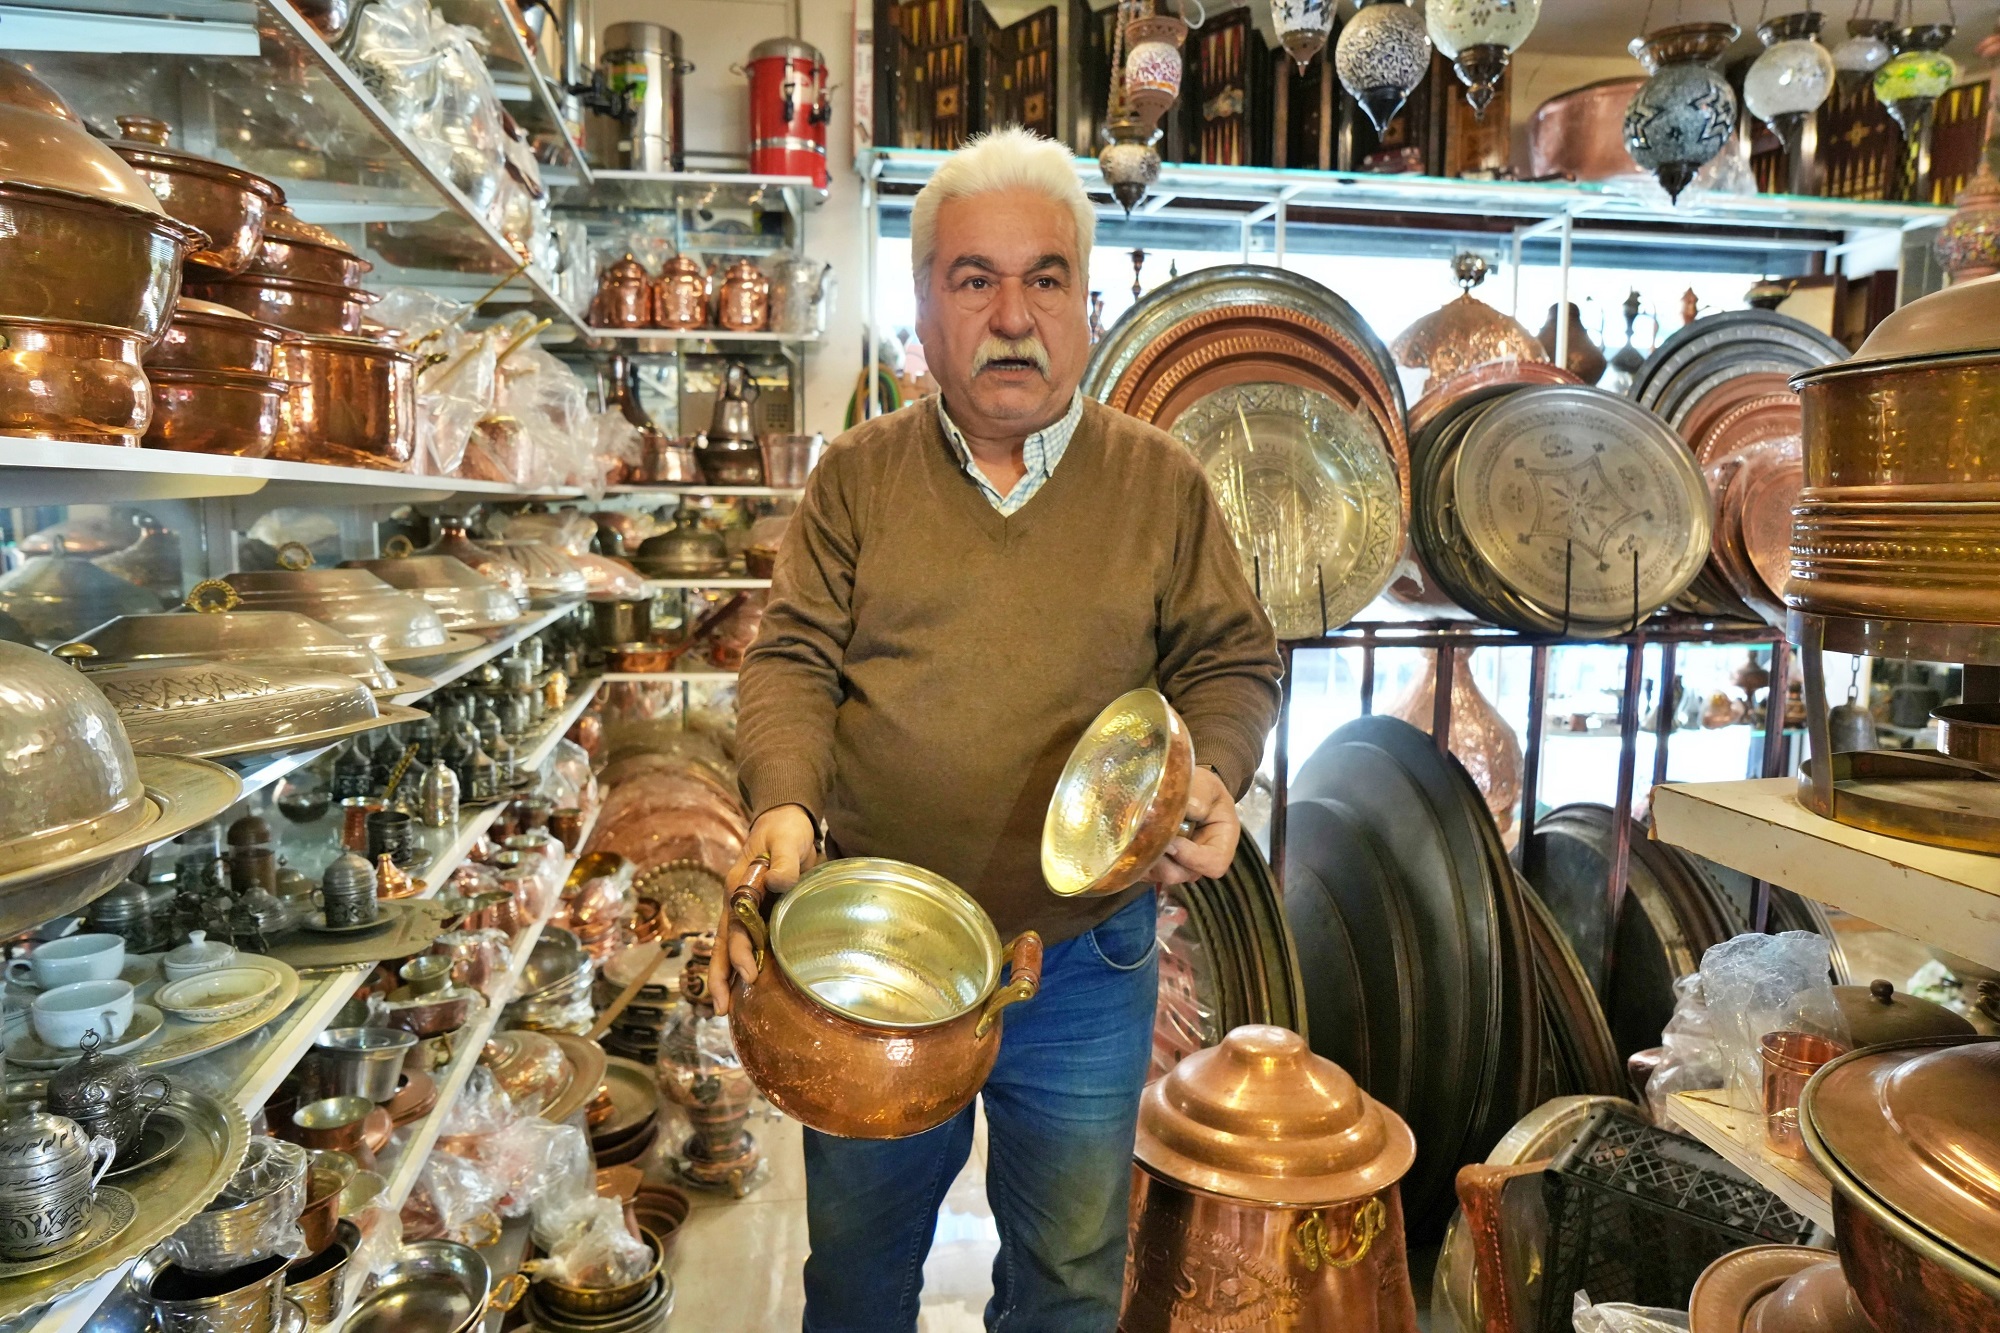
<point x="1012" y="349"/>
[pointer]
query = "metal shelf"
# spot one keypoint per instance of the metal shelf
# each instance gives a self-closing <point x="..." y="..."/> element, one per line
<point x="719" y="581"/>
<point x="692" y="488"/>
<point x="674" y="677"/>
<point x="517" y="75"/>
<point x="677" y="191"/>
<point x="1738" y="1138"/>
<point x="699" y="336"/>
<point x="1941" y="897"/>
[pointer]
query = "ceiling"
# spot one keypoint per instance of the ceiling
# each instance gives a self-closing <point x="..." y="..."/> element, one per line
<point x="1603" y="27"/>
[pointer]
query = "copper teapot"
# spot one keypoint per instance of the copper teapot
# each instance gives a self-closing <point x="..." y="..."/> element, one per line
<point x="744" y="303"/>
<point x="680" y="294"/>
<point x="623" y="299"/>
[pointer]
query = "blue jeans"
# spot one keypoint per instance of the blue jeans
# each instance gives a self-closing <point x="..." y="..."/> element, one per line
<point x="1061" y="1107"/>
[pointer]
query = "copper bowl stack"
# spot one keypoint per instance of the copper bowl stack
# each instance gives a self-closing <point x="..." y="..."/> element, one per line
<point x="1900" y="515"/>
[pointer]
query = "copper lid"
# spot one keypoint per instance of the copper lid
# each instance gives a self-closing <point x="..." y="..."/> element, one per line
<point x="1915" y="1126"/>
<point x="1877" y="1016"/>
<point x="284" y="225"/>
<point x="626" y="270"/>
<point x="20" y="88"/>
<point x="1262" y="1119"/>
<point x="1743" y="1281"/>
<point x="1964" y="317"/>
<point x="146" y="146"/>
<point x="56" y="154"/>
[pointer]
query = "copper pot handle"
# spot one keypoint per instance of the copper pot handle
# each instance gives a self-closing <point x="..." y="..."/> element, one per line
<point x="1024" y="979"/>
<point x="746" y="905"/>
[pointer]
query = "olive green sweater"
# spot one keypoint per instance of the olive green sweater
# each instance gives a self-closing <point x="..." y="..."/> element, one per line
<point x="926" y="663"/>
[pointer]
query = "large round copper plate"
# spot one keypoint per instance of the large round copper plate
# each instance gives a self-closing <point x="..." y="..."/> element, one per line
<point x="1747" y="334"/>
<point x="1771" y="483"/>
<point x="1701" y="414"/>
<point x="1310" y="497"/>
<point x="1766" y="417"/>
<point x="1444" y="394"/>
<point x="1567" y="492"/>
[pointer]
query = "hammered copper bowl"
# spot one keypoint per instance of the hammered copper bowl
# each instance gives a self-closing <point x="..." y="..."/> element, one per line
<point x="70" y="382"/>
<point x="430" y="1015"/>
<point x="353" y="402"/>
<point x="292" y="248"/>
<point x="875" y="1010"/>
<point x="214" y="412"/>
<point x="291" y="303"/>
<point x="1120" y="798"/>
<point x="210" y="337"/>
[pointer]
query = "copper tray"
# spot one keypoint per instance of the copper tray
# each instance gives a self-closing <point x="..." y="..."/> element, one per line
<point x="1760" y="417"/>
<point x="1914" y="795"/>
<point x="1701" y="415"/>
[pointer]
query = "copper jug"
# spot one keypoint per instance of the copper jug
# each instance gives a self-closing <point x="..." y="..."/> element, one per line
<point x="623" y="300"/>
<point x="744" y="303"/>
<point x="1583" y="359"/>
<point x="680" y="296"/>
<point x="1265" y="1196"/>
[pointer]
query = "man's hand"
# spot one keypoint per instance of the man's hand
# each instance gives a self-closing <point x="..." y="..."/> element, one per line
<point x="1206" y="853"/>
<point x="784" y="835"/>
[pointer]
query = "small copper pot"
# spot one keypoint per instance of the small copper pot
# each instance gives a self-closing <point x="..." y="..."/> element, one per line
<point x="72" y="382"/>
<point x="228" y="205"/>
<point x="744" y="302"/>
<point x="291" y="303"/>
<point x="884" y="1066"/>
<point x="353" y="402"/>
<point x="496" y="909"/>
<point x="214" y="412"/>
<point x="567" y="826"/>
<point x="680" y="295"/>
<point x="211" y="337"/>
<point x="624" y="298"/>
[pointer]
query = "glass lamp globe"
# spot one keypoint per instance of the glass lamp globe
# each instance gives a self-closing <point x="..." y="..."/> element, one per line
<point x="1381" y="57"/>
<point x="1793" y="74"/>
<point x="1302" y="27"/>
<point x="1916" y="76"/>
<point x="1684" y="114"/>
<point x="1866" y="48"/>
<point x="1479" y="36"/>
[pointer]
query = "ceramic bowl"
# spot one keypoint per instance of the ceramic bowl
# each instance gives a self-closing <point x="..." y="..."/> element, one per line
<point x="212" y="997"/>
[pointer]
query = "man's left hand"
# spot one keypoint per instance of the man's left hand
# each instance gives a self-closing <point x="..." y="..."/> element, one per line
<point x="1207" y="852"/>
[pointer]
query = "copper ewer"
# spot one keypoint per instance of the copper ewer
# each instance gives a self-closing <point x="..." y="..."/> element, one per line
<point x="875" y="1011"/>
<point x="1264" y="1196"/>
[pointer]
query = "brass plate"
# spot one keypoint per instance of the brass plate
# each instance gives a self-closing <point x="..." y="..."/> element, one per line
<point x="180" y="793"/>
<point x="587" y="1063"/>
<point x="1915" y="795"/>
<point x="1310" y="494"/>
<point x="227" y="710"/>
<point x="1562" y="470"/>
<point x="218" y="1135"/>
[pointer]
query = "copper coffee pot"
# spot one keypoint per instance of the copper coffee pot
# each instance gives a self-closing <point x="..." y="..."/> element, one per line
<point x="1265" y="1196"/>
<point x="624" y="299"/>
<point x="680" y="294"/>
<point x="744" y="303"/>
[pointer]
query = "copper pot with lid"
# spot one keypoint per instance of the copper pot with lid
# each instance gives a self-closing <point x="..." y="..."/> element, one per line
<point x="624" y="298"/>
<point x="294" y="248"/>
<point x="299" y="305"/>
<point x="680" y="294"/>
<point x="226" y="203"/>
<point x="875" y="1010"/>
<point x="1265" y="1196"/>
<point x="206" y="336"/>
<point x="350" y="402"/>
<point x="744" y="302"/>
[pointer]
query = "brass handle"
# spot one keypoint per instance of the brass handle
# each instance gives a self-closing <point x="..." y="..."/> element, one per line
<point x="508" y="1294"/>
<point x="76" y="654"/>
<point x="399" y="547"/>
<point x="213" y="596"/>
<point x="295" y="556"/>
<point x="1024" y="980"/>
<point x="746" y="906"/>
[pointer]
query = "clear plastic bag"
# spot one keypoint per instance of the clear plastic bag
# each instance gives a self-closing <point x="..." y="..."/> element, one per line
<point x="1693" y="1060"/>
<point x="569" y="529"/>
<point x="270" y="1167"/>
<point x="464" y="1195"/>
<point x="1621" y="1318"/>
<point x="595" y="1250"/>
<point x="1756" y="984"/>
<point x="532" y="1157"/>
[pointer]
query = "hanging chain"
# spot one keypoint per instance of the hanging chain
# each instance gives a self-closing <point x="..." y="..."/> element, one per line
<point x="1854" y="679"/>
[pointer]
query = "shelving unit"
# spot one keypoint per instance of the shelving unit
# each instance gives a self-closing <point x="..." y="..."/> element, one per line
<point x="674" y="677"/>
<point x="518" y="76"/>
<point x="695" y="488"/>
<point x="1738" y="1138"/>
<point x="718" y="581"/>
<point x="717" y="336"/>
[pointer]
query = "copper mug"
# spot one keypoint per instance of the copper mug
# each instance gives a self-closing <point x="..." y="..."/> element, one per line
<point x="1790" y="1060"/>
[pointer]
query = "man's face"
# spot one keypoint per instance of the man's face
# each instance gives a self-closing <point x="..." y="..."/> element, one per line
<point x="1002" y="317"/>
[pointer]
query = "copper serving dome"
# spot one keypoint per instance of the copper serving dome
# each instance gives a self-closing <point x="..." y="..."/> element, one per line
<point x="1465" y="332"/>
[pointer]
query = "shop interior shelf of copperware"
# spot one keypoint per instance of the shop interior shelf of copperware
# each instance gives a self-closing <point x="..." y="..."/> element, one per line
<point x="297" y="115"/>
<point x="530" y="97"/>
<point x="669" y="191"/>
<point x="1949" y="899"/>
<point x="1738" y="1138"/>
<point x="701" y="336"/>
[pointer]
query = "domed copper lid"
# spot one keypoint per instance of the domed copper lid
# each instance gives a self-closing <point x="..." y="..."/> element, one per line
<point x="1262" y="1119"/>
<point x="1914" y="1125"/>
<point x="284" y="225"/>
<point x="1464" y="333"/>
<point x="20" y="88"/>
<point x="1877" y="1016"/>
<point x="55" y="154"/>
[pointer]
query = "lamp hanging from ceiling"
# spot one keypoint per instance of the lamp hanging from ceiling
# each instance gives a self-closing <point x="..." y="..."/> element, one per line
<point x="1381" y="57"/>
<point x="1789" y="79"/>
<point x="1478" y="37"/>
<point x="1866" y="48"/>
<point x="1146" y="69"/>
<point x="1910" y="82"/>
<point x="1684" y="113"/>
<point x="1302" y="26"/>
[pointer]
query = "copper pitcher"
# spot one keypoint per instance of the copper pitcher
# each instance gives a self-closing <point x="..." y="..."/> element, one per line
<point x="1265" y="1196"/>
<point x="875" y="1010"/>
<point x="680" y="294"/>
<point x="744" y="302"/>
<point x="624" y="298"/>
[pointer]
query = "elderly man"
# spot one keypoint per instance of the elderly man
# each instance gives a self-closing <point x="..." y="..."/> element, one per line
<point x="966" y="584"/>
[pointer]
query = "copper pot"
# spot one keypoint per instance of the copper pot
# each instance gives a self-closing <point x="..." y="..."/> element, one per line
<point x="227" y="204"/>
<point x="638" y="658"/>
<point x="214" y="412"/>
<point x="1265" y="1196"/>
<point x="292" y="248"/>
<point x="1581" y="133"/>
<point x="744" y="302"/>
<point x="496" y="909"/>
<point x="353" y="402"/>
<point x="321" y="1215"/>
<point x="680" y="294"/>
<point x="624" y="299"/>
<point x="68" y="381"/>
<point x="863" y="1031"/>
<point x="211" y="337"/>
<point x="290" y="303"/>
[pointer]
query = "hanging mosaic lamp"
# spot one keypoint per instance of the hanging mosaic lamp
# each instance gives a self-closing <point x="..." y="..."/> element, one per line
<point x="1789" y="80"/>
<point x="1684" y="114"/>
<point x="1479" y="36"/>
<point x="1381" y="57"/>
<point x="1153" y="65"/>
<point x="1913" y="79"/>
<point x="1128" y="161"/>
<point x="1302" y="26"/>
<point x="1865" y="50"/>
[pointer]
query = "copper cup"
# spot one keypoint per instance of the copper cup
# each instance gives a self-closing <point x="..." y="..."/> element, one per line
<point x="335" y="1124"/>
<point x="1790" y="1061"/>
<point x="354" y="812"/>
<point x="567" y="826"/>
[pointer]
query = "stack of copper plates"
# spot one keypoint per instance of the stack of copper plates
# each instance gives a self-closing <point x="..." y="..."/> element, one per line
<point x="624" y="1116"/>
<point x="1671" y="912"/>
<point x="1419" y="949"/>
<point x="1721" y="349"/>
<point x="1555" y="508"/>
<point x="1294" y="408"/>
<point x="1226" y="959"/>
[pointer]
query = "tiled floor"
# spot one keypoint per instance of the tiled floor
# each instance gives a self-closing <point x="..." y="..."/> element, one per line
<point x="738" y="1262"/>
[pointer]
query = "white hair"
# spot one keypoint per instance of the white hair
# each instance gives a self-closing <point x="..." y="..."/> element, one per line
<point x="1009" y="158"/>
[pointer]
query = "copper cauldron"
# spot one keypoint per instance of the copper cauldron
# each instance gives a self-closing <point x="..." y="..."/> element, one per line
<point x="1265" y="1197"/>
<point x="875" y="1012"/>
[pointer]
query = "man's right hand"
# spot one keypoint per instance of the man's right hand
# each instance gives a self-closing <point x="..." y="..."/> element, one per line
<point x="786" y="836"/>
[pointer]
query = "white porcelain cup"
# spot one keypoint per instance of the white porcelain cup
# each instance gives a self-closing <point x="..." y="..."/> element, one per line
<point x="71" y="959"/>
<point x="61" y="1016"/>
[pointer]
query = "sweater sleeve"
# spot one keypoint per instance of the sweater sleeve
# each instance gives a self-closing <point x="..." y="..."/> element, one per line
<point x="1219" y="662"/>
<point x="790" y="683"/>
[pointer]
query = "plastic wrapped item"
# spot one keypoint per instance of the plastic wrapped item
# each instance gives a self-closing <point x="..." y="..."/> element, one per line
<point x="256" y="1214"/>
<point x="597" y="1251"/>
<point x="381" y="1239"/>
<point x="1693" y="1061"/>
<point x="1756" y="984"/>
<point x="570" y="529"/>
<point x="457" y="1197"/>
<point x="530" y="1158"/>
<point x="1620" y="1318"/>
<point x="621" y="448"/>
